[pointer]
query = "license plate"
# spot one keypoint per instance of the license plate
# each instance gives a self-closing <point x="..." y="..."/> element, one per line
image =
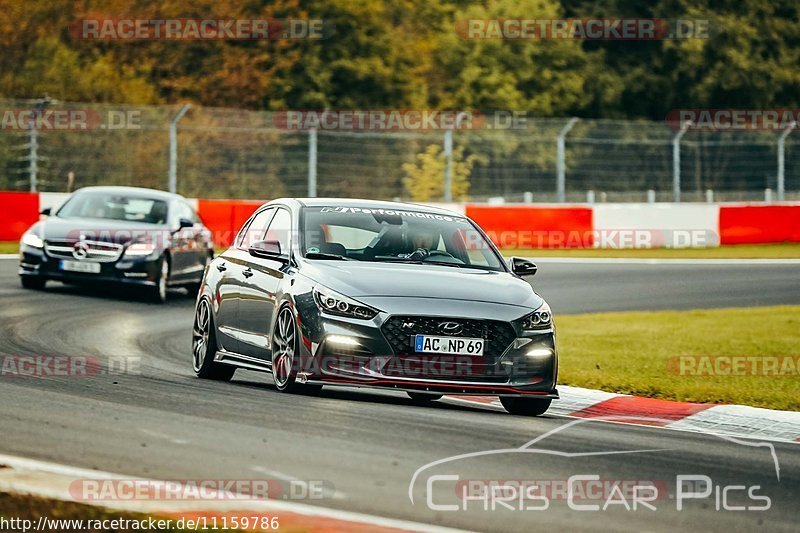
<point x="80" y="266"/>
<point x="448" y="345"/>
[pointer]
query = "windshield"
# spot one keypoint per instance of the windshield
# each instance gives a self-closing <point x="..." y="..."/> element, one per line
<point x="385" y="235"/>
<point x="111" y="206"/>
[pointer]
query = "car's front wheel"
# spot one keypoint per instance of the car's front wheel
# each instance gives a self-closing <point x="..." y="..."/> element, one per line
<point x="285" y="354"/>
<point x="33" y="282"/>
<point x="525" y="406"/>
<point x="204" y="346"/>
<point x="158" y="293"/>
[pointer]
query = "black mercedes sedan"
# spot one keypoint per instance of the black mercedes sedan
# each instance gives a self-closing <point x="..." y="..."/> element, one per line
<point x="123" y="235"/>
<point x="375" y="294"/>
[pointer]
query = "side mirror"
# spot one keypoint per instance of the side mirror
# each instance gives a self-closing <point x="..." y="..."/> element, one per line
<point x="268" y="250"/>
<point x="46" y="211"/>
<point x="185" y="223"/>
<point x="523" y="267"/>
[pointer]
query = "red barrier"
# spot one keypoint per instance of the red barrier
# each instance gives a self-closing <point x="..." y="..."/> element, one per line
<point x="19" y="210"/>
<point x="754" y="224"/>
<point x="535" y="227"/>
<point x="225" y="217"/>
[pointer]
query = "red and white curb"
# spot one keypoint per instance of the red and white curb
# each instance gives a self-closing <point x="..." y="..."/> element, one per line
<point x="54" y="481"/>
<point x="729" y="420"/>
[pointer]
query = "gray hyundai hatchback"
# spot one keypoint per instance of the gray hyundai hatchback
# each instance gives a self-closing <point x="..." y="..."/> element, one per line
<point x="375" y="294"/>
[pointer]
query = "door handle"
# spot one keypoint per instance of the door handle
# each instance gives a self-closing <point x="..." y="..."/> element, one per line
<point x="221" y="267"/>
<point x="248" y="272"/>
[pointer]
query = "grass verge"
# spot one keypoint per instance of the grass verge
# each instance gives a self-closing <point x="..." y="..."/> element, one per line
<point x="9" y="247"/>
<point x="737" y="251"/>
<point x="637" y="353"/>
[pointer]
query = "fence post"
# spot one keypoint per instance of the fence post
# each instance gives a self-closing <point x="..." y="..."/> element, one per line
<point x="33" y="156"/>
<point x="782" y="161"/>
<point x="173" y="148"/>
<point x="312" y="163"/>
<point x="561" y="172"/>
<point x="676" y="162"/>
<point x="448" y="165"/>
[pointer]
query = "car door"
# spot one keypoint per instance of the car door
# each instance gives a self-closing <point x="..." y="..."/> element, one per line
<point x="182" y="250"/>
<point x="260" y="290"/>
<point x="230" y="265"/>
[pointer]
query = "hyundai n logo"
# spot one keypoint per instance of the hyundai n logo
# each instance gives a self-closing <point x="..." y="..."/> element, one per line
<point x="80" y="250"/>
<point x="450" y="328"/>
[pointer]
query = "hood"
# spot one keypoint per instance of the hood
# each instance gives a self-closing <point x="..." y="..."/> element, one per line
<point x="387" y="280"/>
<point x="115" y="231"/>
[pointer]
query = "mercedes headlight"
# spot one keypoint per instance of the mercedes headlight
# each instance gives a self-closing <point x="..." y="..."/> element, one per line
<point x="542" y="318"/>
<point x="333" y="303"/>
<point x="32" y="240"/>
<point x="140" y="249"/>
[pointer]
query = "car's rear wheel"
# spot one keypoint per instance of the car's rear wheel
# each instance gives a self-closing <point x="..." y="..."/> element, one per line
<point x="525" y="406"/>
<point x="424" y="397"/>
<point x="285" y="353"/>
<point x="32" y="282"/>
<point x="204" y="346"/>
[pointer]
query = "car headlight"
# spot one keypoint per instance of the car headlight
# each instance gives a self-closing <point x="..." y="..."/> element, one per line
<point x="542" y="318"/>
<point x="140" y="249"/>
<point x="32" y="240"/>
<point x="333" y="303"/>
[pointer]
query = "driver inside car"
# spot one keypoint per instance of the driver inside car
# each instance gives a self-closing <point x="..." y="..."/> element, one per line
<point x="422" y="242"/>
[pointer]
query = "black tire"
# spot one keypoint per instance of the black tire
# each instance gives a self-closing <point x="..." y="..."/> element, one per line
<point x="33" y="282"/>
<point x="158" y="294"/>
<point x="525" y="406"/>
<point x="204" y="346"/>
<point x="285" y="353"/>
<point x="424" y="397"/>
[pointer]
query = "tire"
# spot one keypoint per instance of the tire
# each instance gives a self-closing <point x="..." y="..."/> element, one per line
<point x="424" y="397"/>
<point x="525" y="406"/>
<point x="33" y="282"/>
<point x="204" y="346"/>
<point x="284" y="354"/>
<point x="158" y="294"/>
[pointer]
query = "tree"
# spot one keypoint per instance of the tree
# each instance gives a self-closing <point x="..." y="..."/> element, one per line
<point x="424" y="179"/>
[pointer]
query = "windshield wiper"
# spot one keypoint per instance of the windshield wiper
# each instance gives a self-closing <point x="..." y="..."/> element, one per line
<point x="422" y="262"/>
<point x="323" y="255"/>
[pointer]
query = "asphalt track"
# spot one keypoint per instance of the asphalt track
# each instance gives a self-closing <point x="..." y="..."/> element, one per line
<point x="164" y="423"/>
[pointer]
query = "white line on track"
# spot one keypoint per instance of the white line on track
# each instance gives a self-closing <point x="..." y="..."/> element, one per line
<point x="9" y="256"/>
<point x="18" y="478"/>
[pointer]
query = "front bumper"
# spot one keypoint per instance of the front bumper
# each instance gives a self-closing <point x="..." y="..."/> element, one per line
<point x="34" y="262"/>
<point x="520" y="363"/>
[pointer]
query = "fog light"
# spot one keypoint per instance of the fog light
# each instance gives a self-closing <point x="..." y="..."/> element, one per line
<point x="342" y="340"/>
<point x="540" y="352"/>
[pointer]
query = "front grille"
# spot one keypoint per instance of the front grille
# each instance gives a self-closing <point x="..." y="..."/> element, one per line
<point x="400" y="331"/>
<point x="101" y="252"/>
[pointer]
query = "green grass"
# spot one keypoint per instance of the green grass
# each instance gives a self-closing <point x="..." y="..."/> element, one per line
<point x="631" y="353"/>
<point x="738" y="251"/>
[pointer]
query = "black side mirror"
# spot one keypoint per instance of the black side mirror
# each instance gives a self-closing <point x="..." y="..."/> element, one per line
<point x="46" y="211"/>
<point x="268" y="250"/>
<point x="185" y="223"/>
<point x="523" y="267"/>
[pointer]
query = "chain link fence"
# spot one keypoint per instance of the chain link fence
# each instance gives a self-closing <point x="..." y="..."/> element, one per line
<point x="229" y="153"/>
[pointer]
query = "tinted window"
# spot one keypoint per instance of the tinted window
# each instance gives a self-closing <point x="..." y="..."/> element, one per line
<point x="255" y="230"/>
<point x="110" y="206"/>
<point x="281" y="230"/>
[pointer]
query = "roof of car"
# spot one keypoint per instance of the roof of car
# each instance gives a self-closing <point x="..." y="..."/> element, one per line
<point x="141" y="191"/>
<point x="372" y="204"/>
